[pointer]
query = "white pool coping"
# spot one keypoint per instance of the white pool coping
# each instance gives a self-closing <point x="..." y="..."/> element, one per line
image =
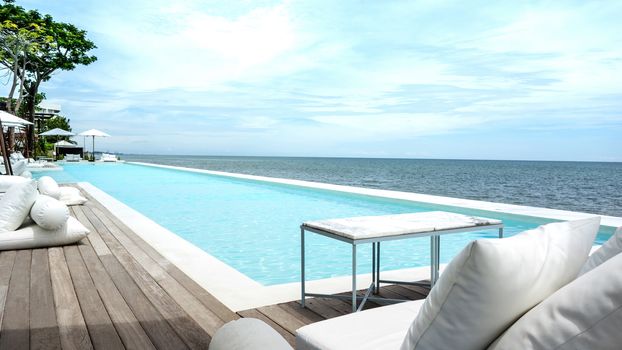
<point x="522" y="210"/>
<point x="239" y="292"/>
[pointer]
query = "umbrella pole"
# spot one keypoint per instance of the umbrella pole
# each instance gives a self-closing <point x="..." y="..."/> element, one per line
<point x="93" y="148"/>
<point x="7" y="161"/>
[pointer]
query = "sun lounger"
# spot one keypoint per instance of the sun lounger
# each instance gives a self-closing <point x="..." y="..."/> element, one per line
<point x="72" y="158"/>
<point x="107" y="157"/>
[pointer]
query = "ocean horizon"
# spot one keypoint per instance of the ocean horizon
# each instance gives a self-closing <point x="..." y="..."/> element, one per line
<point x="585" y="186"/>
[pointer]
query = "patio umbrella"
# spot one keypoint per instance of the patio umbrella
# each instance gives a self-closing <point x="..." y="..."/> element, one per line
<point x="94" y="133"/>
<point x="57" y="132"/>
<point x="10" y="120"/>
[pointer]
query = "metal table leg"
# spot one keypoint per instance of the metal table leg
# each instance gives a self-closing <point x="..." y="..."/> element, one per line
<point x="435" y="249"/>
<point x="501" y="232"/>
<point x="302" y="266"/>
<point x="353" y="277"/>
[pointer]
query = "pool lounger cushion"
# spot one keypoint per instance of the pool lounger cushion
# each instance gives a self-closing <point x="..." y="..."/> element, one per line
<point x="49" y="213"/>
<point x="34" y="236"/>
<point x="584" y="314"/>
<point x="7" y="181"/>
<point x="379" y="328"/>
<point x="67" y="195"/>
<point x="611" y="248"/>
<point x="49" y="187"/>
<point x="15" y="205"/>
<point x="247" y="334"/>
<point x="71" y="196"/>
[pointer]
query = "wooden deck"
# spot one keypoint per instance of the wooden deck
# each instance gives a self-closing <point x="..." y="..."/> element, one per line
<point x="114" y="291"/>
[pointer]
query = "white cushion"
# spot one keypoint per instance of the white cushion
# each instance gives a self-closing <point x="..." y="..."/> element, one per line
<point x="585" y="314"/>
<point x="7" y="181"/>
<point x="16" y="203"/>
<point x="246" y="334"/>
<point x="611" y="248"/>
<point x="26" y="174"/>
<point x="19" y="167"/>
<point x="493" y="282"/>
<point x="49" y="187"/>
<point x="49" y="213"/>
<point x="35" y="236"/>
<point x="379" y="328"/>
<point x="71" y="196"/>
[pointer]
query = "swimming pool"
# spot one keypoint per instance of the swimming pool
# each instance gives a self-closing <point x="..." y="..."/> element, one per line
<point x="254" y="226"/>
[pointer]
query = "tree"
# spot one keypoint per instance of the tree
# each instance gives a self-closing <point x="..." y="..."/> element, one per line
<point x="16" y="46"/>
<point x="66" y="47"/>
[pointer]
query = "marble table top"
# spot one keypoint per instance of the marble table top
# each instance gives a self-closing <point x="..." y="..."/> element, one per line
<point x="383" y="226"/>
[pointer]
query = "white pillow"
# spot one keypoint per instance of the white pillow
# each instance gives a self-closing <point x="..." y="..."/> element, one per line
<point x="585" y="314"/>
<point x="493" y="282"/>
<point x="34" y="236"/>
<point x="19" y="167"/>
<point x="71" y="196"/>
<point x="6" y="181"/>
<point x="49" y="187"/>
<point x="612" y="247"/>
<point x="16" y="203"/>
<point x="49" y="213"/>
<point x="26" y="174"/>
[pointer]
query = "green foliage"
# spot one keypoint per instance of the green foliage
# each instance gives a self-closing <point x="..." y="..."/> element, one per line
<point x="64" y="46"/>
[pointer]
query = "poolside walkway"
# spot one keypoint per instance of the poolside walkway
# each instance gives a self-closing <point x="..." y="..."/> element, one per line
<point x="114" y="291"/>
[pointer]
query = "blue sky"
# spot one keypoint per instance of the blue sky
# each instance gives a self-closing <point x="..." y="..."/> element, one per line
<point x="415" y="79"/>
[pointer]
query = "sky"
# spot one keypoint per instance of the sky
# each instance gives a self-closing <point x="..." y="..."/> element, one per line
<point x="407" y="79"/>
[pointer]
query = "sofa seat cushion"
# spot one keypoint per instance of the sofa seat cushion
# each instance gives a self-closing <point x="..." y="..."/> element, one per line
<point x="379" y="328"/>
<point x="584" y="314"/>
<point x="493" y="282"/>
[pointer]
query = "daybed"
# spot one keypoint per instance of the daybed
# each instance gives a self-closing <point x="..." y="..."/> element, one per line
<point x="534" y="290"/>
<point x="46" y="186"/>
<point x="32" y="220"/>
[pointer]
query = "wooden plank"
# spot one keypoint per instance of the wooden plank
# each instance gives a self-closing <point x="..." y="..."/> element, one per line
<point x="319" y="306"/>
<point x="44" y="333"/>
<point x="405" y="292"/>
<point x="283" y="318"/>
<point x="127" y="325"/>
<point x="15" y="323"/>
<point x="154" y="324"/>
<point x="102" y="331"/>
<point x="253" y="313"/>
<point x="7" y="259"/>
<point x="213" y="304"/>
<point x="208" y="320"/>
<point x="305" y="315"/>
<point x="73" y="331"/>
<point x="192" y="334"/>
<point x="100" y="247"/>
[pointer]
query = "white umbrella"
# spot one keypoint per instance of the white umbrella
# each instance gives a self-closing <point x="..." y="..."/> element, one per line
<point x="94" y="133"/>
<point x="57" y="132"/>
<point x="9" y="120"/>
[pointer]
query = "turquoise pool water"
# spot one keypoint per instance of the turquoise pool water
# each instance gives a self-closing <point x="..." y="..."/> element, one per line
<point x="254" y="226"/>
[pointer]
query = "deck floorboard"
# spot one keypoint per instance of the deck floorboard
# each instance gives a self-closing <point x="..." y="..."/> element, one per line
<point x="113" y="290"/>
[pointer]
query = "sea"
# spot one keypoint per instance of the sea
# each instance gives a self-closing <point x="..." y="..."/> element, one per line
<point x="591" y="187"/>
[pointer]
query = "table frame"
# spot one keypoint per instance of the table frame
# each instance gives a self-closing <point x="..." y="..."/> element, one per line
<point x="435" y="243"/>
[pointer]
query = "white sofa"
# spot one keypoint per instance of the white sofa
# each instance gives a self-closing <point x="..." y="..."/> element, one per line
<point x="536" y="290"/>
